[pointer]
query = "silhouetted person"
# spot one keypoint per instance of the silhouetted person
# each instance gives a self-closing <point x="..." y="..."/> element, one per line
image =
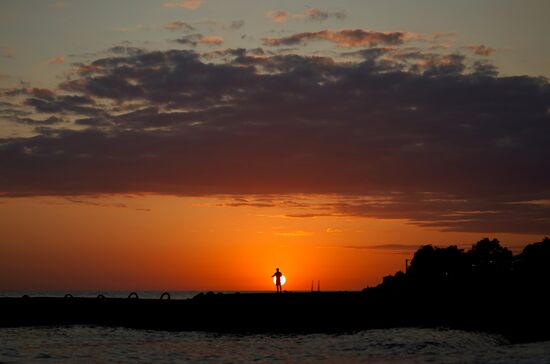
<point x="277" y="276"/>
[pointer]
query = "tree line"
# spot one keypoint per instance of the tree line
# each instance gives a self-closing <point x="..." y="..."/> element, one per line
<point x="486" y="268"/>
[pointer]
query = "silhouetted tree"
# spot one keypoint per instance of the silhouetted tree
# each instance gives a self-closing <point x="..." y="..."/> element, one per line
<point x="487" y="273"/>
<point x="532" y="265"/>
<point x="432" y="265"/>
<point x="490" y="260"/>
<point x="395" y="285"/>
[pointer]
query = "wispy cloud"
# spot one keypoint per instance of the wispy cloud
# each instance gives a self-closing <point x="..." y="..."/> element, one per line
<point x="211" y="40"/>
<point x="56" y="60"/>
<point x="214" y="25"/>
<point x="236" y="24"/>
<point x="179" y="25"/>
<point x="184" y="4"/>
<point x="52" y="120"/>
<point x="322" y="15"/>
<point x="196" y="39"/>
<point x="98" y="202"/>
<point x="7" y="52"/>
<point x="480" y="50"/>
<point x="137" y="28"/>
<point x="278" y="16"/>
<point x="312" y="14"/>
<point x="59" y="4"/>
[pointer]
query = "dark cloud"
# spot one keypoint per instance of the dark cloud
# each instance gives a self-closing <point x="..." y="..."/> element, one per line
<point x="474" y="214"/>
<point x="480" y="50"/>
<point x="293" y="202"/>
<point x="485" y="69"/>
<point x="311" y="14"/>
<point x="190" y="40"/>
<point x="52" y="120"/>
<point x="94" y="201"/>
<point x="126" y="50"/>
<point x="236" y="24"/>
<point x="247" y="204"/>
<point x="210" y="26"/>
<point x="437" y="140"/>
<point x="45" y="101"/>
<point x="317" y="14"/>
<point x="12" y="111"/>
<point x="179" y="25"/>
<point x="343" y="38"/>
<point x="196" y="39"/>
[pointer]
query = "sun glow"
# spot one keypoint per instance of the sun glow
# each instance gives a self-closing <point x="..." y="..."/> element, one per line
<point x="283" y="280"/>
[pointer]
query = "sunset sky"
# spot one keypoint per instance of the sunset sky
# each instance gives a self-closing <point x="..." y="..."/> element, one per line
<point x="198" y="145"/>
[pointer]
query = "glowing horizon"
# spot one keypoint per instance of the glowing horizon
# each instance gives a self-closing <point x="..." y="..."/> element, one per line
<point x="199" y="244"/>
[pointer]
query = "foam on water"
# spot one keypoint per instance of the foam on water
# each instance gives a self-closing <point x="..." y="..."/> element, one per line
<point x="405" y="345"/>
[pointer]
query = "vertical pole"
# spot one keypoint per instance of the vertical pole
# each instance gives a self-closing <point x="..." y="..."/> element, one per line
<point x="319" y="286"/>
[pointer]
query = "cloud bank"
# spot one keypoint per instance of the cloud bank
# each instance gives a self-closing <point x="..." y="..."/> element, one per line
<point x="343" y="38"/>
<point x="440" y="140"/>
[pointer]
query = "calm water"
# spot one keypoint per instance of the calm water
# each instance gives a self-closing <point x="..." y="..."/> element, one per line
<point x="98" y="344"/>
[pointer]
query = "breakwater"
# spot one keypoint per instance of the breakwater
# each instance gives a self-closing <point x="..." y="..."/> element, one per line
<point x="516" y="319"/>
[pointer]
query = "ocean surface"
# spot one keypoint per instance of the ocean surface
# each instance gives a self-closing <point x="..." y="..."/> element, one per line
<point x="84" y="344"/>
<point x="94" y="344"/>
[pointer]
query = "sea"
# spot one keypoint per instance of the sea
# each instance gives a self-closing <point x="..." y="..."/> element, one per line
<point x="95" y="344"/>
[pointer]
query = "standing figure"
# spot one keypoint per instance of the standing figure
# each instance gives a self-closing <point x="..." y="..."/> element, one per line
<point x="277" y="276"/>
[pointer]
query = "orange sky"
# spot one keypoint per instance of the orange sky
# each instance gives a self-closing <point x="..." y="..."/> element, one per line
<point x="173" y="243"/>
<point x="329" y="139"/>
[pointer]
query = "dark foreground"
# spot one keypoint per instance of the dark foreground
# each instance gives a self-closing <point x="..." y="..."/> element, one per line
<point x="516" y="319"/>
